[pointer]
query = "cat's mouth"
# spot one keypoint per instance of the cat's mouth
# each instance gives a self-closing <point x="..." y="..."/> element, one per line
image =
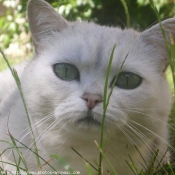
<point x="89" y="119"/>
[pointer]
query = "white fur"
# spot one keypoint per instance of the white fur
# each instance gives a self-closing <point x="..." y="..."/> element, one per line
<point x="137" y="117"/>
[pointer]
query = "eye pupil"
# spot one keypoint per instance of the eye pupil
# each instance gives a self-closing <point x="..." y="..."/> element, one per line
<point x="128" y="80"/>
<point x="66" y="71"/>
<point x="127" y="77"/>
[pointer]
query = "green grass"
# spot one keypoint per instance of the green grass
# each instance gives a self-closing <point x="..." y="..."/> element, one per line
<point x="11" y="60"/>
<point x="18" y="83"/>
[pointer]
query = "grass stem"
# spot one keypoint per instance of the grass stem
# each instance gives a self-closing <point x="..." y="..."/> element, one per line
<point x="18" y="83"/>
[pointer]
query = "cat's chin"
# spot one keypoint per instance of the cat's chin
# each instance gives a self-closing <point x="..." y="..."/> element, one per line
<point x="89" y="121"/>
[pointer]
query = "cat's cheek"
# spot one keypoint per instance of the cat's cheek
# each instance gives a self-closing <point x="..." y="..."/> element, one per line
<point x="116" y="117"/>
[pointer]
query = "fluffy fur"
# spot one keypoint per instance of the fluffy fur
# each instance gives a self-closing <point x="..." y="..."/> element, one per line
<point x="137" y="117"/>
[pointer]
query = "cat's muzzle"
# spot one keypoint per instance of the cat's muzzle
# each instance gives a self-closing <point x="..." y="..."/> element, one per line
<point x="89" y="119"/>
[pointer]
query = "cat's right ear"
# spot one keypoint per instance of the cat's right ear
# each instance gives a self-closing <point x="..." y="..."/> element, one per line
<point x="155" y="43"/>
<point x="43" y="20"/>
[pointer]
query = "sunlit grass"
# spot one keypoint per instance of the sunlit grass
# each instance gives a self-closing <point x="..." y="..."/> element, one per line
<point x="170" y="78"/>
<point x="13" y="61"/>
<point x="18" y="83"/>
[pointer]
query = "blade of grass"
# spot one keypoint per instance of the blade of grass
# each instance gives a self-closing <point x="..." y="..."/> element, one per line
<point x="13" y="165"/>
<point x="18" y="165"/>
<point x="106" y="102"/>
<point x="104" y="107"/>
<point x="89" y="168"/>
<point x="18" y="83"/>
<point x="107" y="77"/>
<point x="132" y="163"/>
<point x="14" y="158"/>
<point x="63" y="163"/>
<point x="19" y="153"/>
<point x="133" y="167"/>
<point x="115" y="80"/>
<point x="2" y="171"/>
<point x="154" y="158"/>
<point x="141" y="156"/>
<point x="169" y="47"/>
<point x="106" y="159"/>
<point x="126" y="12"/>
<point x="172" y="60"/>
<point x="161" y="26"/>
<point x="161" y="160"/>
<point x="171" y="169"/>
<point x="37" y="155"/>
<point x="84" y="159"/>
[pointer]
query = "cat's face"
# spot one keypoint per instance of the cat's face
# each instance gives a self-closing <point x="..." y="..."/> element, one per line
<point x="69" y="71"/>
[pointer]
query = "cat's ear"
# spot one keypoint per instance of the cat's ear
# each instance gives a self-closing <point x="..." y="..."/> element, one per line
<point x="43" y="20"/>
<point x="155" y="42"/>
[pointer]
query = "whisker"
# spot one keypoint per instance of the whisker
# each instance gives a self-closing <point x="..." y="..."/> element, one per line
<point x="138" y="136"/>
<point x="151" y="145"/>
<point x="37" y="124"/>
<point x="125" y="133"/>
<point x="144" y="139"/>
<point x="48" y="129"/>
<point x="138" y="112"/>
<point x="138" y="124"/>
<point x="45" y="119"/>
<point x="52" y="124"/>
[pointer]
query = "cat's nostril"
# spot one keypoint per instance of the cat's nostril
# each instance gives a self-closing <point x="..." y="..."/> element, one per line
<point x="92" y="100"/>
<point x="85" y="99"/>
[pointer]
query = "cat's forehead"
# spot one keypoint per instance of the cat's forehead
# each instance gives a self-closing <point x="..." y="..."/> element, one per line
<point x="90" y="43"/>
<point x="103" y="37"/>
<point x="88" y="46"/>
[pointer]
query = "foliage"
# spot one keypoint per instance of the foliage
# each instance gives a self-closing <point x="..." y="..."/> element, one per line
<point x="13" y="26"/>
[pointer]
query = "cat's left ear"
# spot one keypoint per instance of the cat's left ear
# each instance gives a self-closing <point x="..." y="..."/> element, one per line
<point x="155" y="43"/>
<point x="43" y="21"/>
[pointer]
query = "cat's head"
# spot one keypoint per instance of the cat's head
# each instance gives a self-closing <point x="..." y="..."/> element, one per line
<point x="66" y="78"/>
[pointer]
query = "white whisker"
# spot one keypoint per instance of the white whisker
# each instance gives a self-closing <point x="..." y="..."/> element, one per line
<point x="155" y="134"/>
<point x="151" y="116"/>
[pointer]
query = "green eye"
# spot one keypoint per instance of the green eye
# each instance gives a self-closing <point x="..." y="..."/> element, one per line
<point x="128" y="80"/>
<point x="66" y="71"/>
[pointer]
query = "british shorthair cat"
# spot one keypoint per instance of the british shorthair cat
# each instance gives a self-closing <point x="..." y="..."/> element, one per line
<point x="63" y="87"/>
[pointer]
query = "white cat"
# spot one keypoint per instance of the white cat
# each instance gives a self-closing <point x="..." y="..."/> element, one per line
<point x="63" y="88"/>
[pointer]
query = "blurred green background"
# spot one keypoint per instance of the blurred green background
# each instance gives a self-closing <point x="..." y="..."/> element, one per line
<point x="15" y="38"/>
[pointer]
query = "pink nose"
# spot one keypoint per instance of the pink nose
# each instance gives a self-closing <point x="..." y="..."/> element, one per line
<point x="92" y="100"/>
